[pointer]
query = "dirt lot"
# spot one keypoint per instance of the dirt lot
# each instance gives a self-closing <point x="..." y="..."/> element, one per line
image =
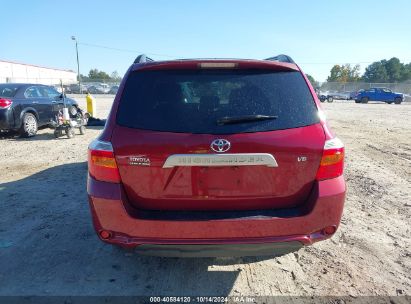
<point x="48" y="245"/>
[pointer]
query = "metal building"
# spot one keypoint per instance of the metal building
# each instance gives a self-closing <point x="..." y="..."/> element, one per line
<point x="20" y="72"/>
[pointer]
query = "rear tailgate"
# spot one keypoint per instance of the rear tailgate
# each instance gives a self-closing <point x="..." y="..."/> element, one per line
<point x="141" y="156"/>
<point x="164" y="113"/>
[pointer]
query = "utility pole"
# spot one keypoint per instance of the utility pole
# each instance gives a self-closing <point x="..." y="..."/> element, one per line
<point x="78" y="64"/>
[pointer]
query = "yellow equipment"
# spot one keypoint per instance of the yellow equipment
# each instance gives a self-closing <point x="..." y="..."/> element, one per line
<point x="91" y="105"/>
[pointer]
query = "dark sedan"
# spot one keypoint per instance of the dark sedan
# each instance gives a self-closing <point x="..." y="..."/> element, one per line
<point x="26" y="107"/>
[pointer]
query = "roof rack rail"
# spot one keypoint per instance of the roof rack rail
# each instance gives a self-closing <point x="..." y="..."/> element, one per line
<point x="142" y="58"/>
<point x="281" y="58"/>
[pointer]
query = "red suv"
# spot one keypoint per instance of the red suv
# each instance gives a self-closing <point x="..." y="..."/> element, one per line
<point x="216" y="158"/>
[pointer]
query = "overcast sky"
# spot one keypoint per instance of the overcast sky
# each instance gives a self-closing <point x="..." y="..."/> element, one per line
<point x="317" y="34"/>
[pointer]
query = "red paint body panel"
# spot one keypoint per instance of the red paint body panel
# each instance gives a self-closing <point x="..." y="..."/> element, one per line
<point x="324" y="208"/>
<point x="194" y="64"/>
<point x="118" y="208"/>
<point x="218" y="188"/>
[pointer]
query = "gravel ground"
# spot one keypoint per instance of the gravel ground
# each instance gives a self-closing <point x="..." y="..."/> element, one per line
<point x="48" y="245"/>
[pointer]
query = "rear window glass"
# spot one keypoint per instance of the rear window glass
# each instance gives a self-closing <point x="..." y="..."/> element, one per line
<point x="8" y="90"/>
<point x="192" y="101"/>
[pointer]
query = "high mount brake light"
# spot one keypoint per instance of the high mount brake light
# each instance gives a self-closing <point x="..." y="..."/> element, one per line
<point x="101" y="162"/>
<point x="332" y="160"/>
<point x="217" y="65"/>
<point x="5" y="103"/>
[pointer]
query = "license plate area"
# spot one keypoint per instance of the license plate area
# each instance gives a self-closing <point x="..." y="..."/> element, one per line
<point x="220" y="160"/>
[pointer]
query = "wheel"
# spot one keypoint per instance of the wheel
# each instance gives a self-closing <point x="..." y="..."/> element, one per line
<point x="82" y="130"/>
<point x="57" y="133"/>
<point x="70" y="132"/>
<point x="330" y="99"/>
<point x="364" y="100"/>
<point x="29" y="125"/>
<point x="86" y="116"/>
<point x="397" y="100"/>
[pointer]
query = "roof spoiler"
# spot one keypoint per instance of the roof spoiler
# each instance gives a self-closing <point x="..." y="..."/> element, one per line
<point x="281" y="58"/>
<point x="142" y="59"/>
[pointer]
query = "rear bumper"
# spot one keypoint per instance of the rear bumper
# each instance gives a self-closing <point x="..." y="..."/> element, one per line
<point x="219" y="250"/>
<point x="6" y="119"/>
<point x="270" y="233"/>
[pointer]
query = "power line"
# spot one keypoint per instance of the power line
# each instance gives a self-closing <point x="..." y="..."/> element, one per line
<point x="174" y="56"/>
<point x="124" y="50"/>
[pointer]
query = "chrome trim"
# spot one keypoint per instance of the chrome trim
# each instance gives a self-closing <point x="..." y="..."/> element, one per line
<point x="219" y="160"/>
<point x="220" y="145"/>
<point x="334" y="143"/>
<point x="100" y="145"/>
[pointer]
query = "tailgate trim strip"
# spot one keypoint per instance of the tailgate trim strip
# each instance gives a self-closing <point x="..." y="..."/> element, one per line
<point x="220" y="160"/>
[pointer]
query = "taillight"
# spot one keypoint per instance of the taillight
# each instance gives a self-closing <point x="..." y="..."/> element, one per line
<point x="101" y="162"/>
<point x="332" y="161"/>
<point x="5" y="103"/>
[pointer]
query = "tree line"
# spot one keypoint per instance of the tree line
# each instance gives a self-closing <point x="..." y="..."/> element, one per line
<point x="97" y="75"/>
<point x="383" y="71"/>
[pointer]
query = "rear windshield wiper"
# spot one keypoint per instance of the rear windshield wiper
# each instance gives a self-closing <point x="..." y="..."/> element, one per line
<point x="246" y="118"/>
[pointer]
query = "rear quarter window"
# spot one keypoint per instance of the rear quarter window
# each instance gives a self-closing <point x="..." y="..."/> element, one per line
<point x="8" y="90"/>
<point x="192" y="101"/>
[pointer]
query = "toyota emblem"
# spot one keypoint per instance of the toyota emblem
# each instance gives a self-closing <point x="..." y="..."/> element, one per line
<point x="220" y="145"/>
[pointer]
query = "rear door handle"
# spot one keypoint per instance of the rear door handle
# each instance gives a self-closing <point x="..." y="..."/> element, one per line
<point x="35" y="102"/>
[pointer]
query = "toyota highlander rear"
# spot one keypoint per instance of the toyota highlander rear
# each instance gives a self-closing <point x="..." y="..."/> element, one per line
<point x="216" y="157"/>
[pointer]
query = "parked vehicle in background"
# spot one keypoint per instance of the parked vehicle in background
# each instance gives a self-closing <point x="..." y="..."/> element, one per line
<point x="25" y="107"/>
<point x="75" y="89"/>
<point x="113" y="89"/>
<point x="98" y="89"/>
<point x="325" y="97"/>
<point x="104" y="87"/>
<point x="94" y="90"/>
<point x="379" y="94"/>
<point x="340" y="95"/>
<point x="353" y="94"/>
<point x="216" y="158"/>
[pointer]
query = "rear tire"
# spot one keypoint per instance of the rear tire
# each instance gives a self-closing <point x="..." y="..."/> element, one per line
<point x="364" y="100"/>
<point x="29" y="125"/>
<point x="397" y="100"/>
<point x="57" y="133"/>
<point x="70" y="132"/>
